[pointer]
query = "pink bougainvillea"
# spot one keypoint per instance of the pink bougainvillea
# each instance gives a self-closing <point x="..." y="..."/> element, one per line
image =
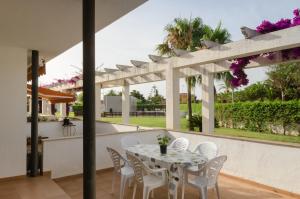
<point x="238" y="65"/>
<point x="58" y="82"/>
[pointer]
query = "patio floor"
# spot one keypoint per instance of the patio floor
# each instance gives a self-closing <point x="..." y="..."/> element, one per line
<point x="31" y="188"/>
<point x="229" y="188"/>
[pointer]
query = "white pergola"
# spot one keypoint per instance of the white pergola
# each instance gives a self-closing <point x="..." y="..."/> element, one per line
<point x="205" y="62"/>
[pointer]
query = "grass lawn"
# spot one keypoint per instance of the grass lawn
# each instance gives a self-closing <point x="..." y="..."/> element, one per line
<point x="147" y="121"/>
<point x="160" y="123"/>
<point x="195" y="107"/>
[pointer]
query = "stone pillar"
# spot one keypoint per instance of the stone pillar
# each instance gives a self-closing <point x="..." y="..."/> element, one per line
<point x="98" y="101"/>
<point x="172" y="99"/>
<point x="125" y="103"/>
<point x="62" y="109"/>
<point x="208" y="102"/>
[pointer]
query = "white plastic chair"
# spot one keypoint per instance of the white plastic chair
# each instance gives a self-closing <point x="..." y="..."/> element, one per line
<point x="150" y="179"/>
<point x="207" y="177"/>
<point x="180" y="144"/>
<point x="124" y="170"/>
<point x="207" y="149"/>
<point x="129" y="141"/>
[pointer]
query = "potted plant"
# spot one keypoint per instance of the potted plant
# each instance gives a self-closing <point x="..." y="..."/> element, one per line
<point x="163" y="142"/>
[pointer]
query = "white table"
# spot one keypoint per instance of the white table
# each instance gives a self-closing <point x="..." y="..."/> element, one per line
<point x="174" y="161"/>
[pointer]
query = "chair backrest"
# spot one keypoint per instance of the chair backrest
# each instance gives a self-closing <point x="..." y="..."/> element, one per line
<point x="115" y="157"/>
<point x="180" y="144"/>
<point x="128" y="141"/>
<point x="207" y="149"/>
<point x="138" y="168"/>
<point x="212" y="169"/>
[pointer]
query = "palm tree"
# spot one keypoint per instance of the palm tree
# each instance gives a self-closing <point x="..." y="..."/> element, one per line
<point x="187" y="34"/>
<point x="184" y="34"/>
<point x="226" y="77"/>
<point x="219" y="35"/>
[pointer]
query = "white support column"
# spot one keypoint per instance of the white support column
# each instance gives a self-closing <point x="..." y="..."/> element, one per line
<point x="98" y="101"/>
<point x="125" y="103"/>
<point x="172" y="99"/>
<point x="30" y="108"/>
<point x="208" y="112"/>
<point x="44" y="107"/>
<point x="48" y="108"/>
<point x="62" y="109"/>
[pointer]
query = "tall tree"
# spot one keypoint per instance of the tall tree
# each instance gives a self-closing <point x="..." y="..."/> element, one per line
<point x="184" y="34"/>
<point x="138" y="95"/>
<point x="220" y="35"/>
<point x="226" y="78"/>
<point x="285" y="79"/>
<point x="155" y="97"/>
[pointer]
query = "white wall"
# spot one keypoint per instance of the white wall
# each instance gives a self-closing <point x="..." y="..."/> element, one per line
<point x="104" y="127"/>
<point x="115" y="103"/>
<point x="55" y="129"/>
<point x="63" y="156"/>
<point x="13" y="77"/>
<point x="273" y="165"/>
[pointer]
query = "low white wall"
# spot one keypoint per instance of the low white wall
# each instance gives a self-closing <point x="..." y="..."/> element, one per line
<point x="63" y="156"/>
<point x="55" y="129"/>
<point x="104" y="127"/>
<point x="273" y="165"/>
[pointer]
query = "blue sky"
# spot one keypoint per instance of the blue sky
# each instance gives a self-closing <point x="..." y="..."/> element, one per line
<point x="136" y="34"/>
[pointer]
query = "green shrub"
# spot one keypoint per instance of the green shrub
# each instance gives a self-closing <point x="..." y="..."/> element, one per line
<point x="150" y="106"/>
<point x="196" y="122"/>
<point x="259" y="116"/>
<point x="77" y="109"/>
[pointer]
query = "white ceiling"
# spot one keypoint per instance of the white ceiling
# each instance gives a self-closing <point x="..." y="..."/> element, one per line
<point x="53" y="26"/>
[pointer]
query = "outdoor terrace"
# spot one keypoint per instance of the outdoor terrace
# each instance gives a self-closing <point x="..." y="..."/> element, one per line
<point x="33" y="188"/>
<point x="229" y="189"/>
<point x="255" y="168"/>
<point x="71" y="188"/>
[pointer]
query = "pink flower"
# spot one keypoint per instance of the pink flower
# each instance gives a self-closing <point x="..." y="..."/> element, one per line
<point x="283" y="24"/>
<point x="296" y="21"/>
<point x="296" y="12"/>
<point x="235" y="82"/>
<point x="266" y="27"/>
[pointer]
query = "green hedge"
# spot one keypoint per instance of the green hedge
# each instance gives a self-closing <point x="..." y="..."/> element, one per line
<point x="78" y="109"/>
<point x="150" y="107"/>
<point x="259" y="116"/>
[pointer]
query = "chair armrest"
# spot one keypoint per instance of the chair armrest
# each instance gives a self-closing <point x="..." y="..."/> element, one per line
<point x="198" y="172"/>
<point x="160" y="172"/>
